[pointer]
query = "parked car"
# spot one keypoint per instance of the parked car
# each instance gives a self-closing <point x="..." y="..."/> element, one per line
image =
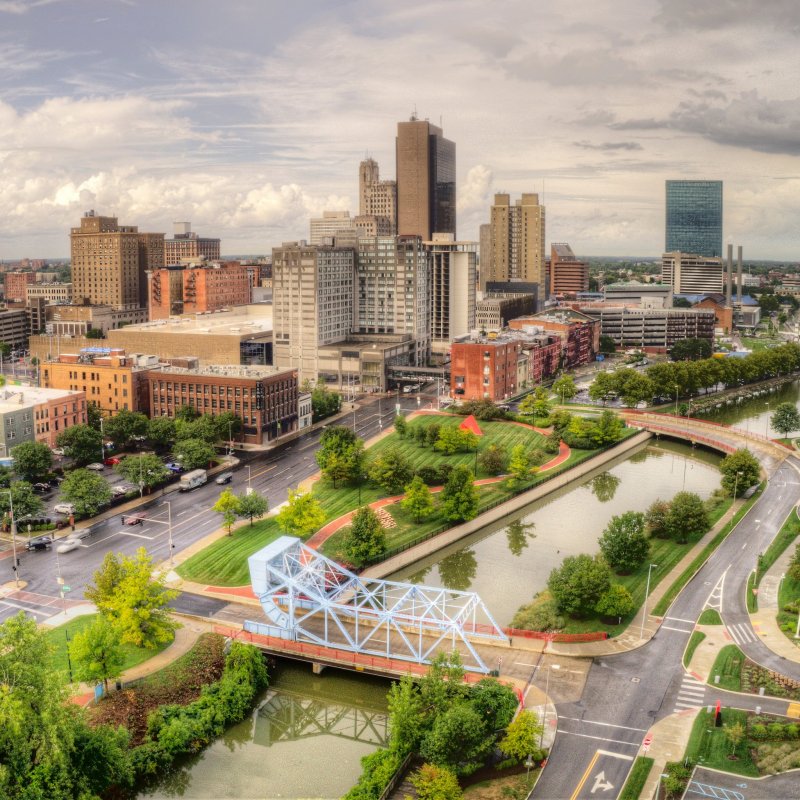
<point x="121" y="488"/>
<point x="68" y="545"/>
<point x="224" y="477"/>
<point x="64" y="508"/>
<point x="173" y="466"/>
<point x="58" y="451"/>
<point x="112" y="461"/>
<point x="39" y="543"/>
<point x="96" y="466"/>
<point x="42" y="487"/>
<point x="133" y="519"/>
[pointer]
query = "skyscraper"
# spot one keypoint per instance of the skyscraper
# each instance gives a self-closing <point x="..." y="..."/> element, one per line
<point x="517" y="242"/>
<point x="426" y="180"/>
<point x="377" y="201"/>
<point x="694" y="218"/>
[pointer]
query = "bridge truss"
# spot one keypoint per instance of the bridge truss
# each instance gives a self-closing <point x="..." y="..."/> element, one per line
<point x="309" y="598"/>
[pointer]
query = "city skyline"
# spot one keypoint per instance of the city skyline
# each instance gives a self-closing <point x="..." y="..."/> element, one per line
<point x="250" y="120"/>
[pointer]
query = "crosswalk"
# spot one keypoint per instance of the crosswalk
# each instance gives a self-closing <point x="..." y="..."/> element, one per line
<point x="690" y="695"/>
<point x="742" y="633"/>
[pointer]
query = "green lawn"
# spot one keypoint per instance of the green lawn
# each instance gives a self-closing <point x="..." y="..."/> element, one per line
<point x="789" y="597"/>
<point x="709" y="747"/>
<point x="637" y="778"/>
<point x="59" y="638"/>
<point x="757" y="344"/>
<point x="694" y="641"/>
<point x="728" y="665"/>
<point x="710" y="617"/>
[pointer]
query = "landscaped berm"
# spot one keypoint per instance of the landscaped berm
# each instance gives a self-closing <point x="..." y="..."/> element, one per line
<point x="456" y="473"/>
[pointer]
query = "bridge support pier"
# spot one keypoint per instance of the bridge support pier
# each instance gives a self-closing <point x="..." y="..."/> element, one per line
<point x="317" y="668"/>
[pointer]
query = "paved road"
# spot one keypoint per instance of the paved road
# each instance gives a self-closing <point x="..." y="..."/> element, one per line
<point x="271" y="473"/>
<point x="720" y="785"/>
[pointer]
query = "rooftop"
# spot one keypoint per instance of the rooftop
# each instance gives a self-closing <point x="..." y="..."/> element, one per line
<point x="26" y="396"/>
<point x="226" y="371"/>
<point x="240" y="321"/>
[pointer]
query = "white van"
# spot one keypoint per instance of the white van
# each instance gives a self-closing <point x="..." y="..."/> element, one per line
<point x="193" y="479"/>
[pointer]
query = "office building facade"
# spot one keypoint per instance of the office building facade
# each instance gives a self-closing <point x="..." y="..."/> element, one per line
<point x="694" y="217"/>
<point x="691" y="273"/>
<point x="517" y="241"/>
<point x="186" y="244"/>
<point x="330" y="224"/>
<point x="568" y="274"/>
<point x="377" y="201"/>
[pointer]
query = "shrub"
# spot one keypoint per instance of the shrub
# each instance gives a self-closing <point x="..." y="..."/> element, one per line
<point x="429" y="475"/>
<point x="539" y="615"/>
<point x="376" y="770"/>
<point x="758" y="732"/>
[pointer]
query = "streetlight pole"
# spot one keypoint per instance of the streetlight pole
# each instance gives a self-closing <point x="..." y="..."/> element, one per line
<point x="230" y="438"/>
<point x="168" y="504"/>
<point x="676" y="399"/>
<point x="249" y="476"/>
<point x="102" y="442"/>
<point x="546" y="697"/>
<point x="646" y="595"/>
<point x="736" y="484"/>
<point x="13" y="537"/>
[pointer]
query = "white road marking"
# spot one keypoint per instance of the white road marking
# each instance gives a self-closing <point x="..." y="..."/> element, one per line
<point x="185" y="511"/>
<point x="24" y="608"/>
<point x="605" y="724"/>
<point x="615" y="755"/>
<point x="679" y="630"/>
<point x="680" y="619"/>
<point x="602" y="739"/>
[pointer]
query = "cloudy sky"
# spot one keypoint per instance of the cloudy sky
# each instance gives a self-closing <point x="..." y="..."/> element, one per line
<point x="249" y="116"/>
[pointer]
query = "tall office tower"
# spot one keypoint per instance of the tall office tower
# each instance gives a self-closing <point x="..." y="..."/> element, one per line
<point x="426" y="180"/>
<point x="312" y="303"/>
<point x="186" y="244"/>
<point x="109" y="262"/>
<point x="689" y="273"/>
<point x="377" y="201"/>
<point x="694" y="218"/>
<point x="454" y="271"/>
<point x="567" y="273"/>
<point x="330" y="224"/>
<point x="393" y="295"/>
<point x="484" y="251"/>
<point x="517" y="242"/>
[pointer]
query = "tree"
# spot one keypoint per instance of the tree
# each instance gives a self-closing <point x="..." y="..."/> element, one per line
<point x="624" y="542"/>
<point x="785" y="419"/>
<point x="634" y="388"/>
<point x="541" y="402"/>
<point x="161" y="432"/>
<point x="656" y="518"/>
<point x="193" y="453"/>
<point x="493" y="460"/>
<point x="734" y="733"/>
<point x="125" y="426"/>
<point x="459" y="496"/>
<point x="187" y="413"/>
<point x="690" y="349"/>
<point x="579" y="583"/>
<point x="436" y="783"/>
<point x="400" y="426"/>
<point x="26" y="502"/>
<point x="96" y="653"/>
<point x="495" y="702"/>
<point x="146" y="470"/>
<point x="367" y="539"/>
<point x="252" y="506"/>
<point x="418" y="500"/>
<point x="607" y="344"/>
<point x="407" y="715"/>
<point x="5" y="349"/>
<point x="527" y="405"/>
<point x="740" y="470"/>
<point x="229" y="505"/>
<point x="32" y="460"/>
<point x="324" y="403"/>
<point x="522" y="737"/>
<point x="603" y="387"/>
<point x="95" y="333"/>
<point x="449" y="440"/>
<point x="458" y="739"/>
<point x="87" y="491"/>
<point x="615" y="602"/>
<point x="302" y="514"/>
<point x="127" y="594"/>
<point x="607" y="430"/>
<point x="94" y="416"/>
<point x="341" y="455"/>
<point x="687" y="517"/>
<point x="432" y="433"/>
<point x="564" y="388"/>
<point x="228" y="426"/>
<point x="519" y="467"/>
<point x="391" y="470"/>
<point x="204" y="428"/>
<point x="81" y="443"/>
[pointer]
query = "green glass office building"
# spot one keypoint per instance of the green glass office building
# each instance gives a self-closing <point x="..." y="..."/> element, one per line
<point x="694" y="217"/>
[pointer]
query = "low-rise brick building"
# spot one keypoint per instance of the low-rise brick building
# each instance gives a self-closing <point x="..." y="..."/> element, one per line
<point x="484" y="369"/>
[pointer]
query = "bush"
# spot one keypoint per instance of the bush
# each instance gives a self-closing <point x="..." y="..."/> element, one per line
<point x="377" y="770"/>
<point x="758" y="732"/>
<point x="430" y="475"/>
<point x="539" y="615"/>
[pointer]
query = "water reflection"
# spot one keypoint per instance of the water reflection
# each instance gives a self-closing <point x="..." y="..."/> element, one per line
<point x="519" y="534"/>
<point x="604" y="486"/>
<point x="457" y="571"/>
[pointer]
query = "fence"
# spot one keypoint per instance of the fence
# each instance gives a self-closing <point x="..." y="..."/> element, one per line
<point x="552" y="636"/>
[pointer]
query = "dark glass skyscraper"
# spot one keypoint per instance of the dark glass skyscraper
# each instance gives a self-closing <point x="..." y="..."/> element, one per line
<point x="694" y="217"/>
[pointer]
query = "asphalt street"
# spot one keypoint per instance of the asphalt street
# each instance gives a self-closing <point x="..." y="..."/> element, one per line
<point x="272" y="473"/>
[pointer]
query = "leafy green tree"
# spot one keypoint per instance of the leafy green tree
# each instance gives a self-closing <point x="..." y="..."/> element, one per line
<point x="228" y="426"/>
<point x="785" y="419"/>
<point x="459" y="739"/>
<point x="690" y="349"/>
<point x="252" y="506"/>
<point x="607" y="344"/>
<point x="564" y="388"/>
<point x="324" y="403"/>
<point x="734" y="732"/>
<point x="615" y="602"/>
<point x="432" y="782"/>
<point x="81" y="443"/>
<point x="419" y="434"/>
<point x="522" y="737"/>
<point x="794" y="565"/>
<point x="341" y="455"/>
<point x="579" y="583"/>
<point x="302" y="514"/>
<point x="5" y="349"/>
<point x="26" y="502"/>
<point x="624" y="543"/>
<point x="495" y="702"/>
<point x="32" y="460"/>
<point x="6" y="474"/>
<point x="187" y="413"/>
<point x="527" y="405"/>
<point x="449" y="440"/>
<point x="124" y="426"/>
<point x="147" y="470"/>
<point x="634" y="388"/>
<point x="161" y="432"/>
<point x="603" y="387"/>
<point x="459" y="497"/>
<point x="467" y="440"/>
<point x="229" y="505"/>
<point x="93" y="415"/>
<point x="204" y="428"/>
<point x="96" y="653"/>
<point x="687" y="517"/>
<point x="519" y="467"/>
<point x="400" y="426"/>
<point x="432" y="433"/>
<point x="193" y="453"/>
<point x="418" y="500"/>
<point x="367" y="539"/>
<point x="541" y="402"/>
<point x="127" y="594"/>
<point x="740" y="470"/>
<point x="607" y="430"/>
<point x="391" y="470"/>
<point x="656" y="518"/>
<point x="493" y="460"/>
<point x="443" y="683"/>
<point x="87" y="491"/>
<point x="407" y="715"/>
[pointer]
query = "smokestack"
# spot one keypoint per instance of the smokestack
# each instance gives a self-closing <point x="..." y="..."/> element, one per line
<point x="729" y="286"/>
<point x="739" y="273"/>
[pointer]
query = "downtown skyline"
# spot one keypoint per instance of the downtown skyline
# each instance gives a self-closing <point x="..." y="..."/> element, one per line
<point x="250" y="120"/>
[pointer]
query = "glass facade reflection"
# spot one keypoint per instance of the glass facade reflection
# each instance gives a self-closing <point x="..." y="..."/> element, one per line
<point x="694" y="217"/>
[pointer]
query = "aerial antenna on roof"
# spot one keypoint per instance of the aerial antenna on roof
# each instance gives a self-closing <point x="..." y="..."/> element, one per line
<point x="414" y="113"/>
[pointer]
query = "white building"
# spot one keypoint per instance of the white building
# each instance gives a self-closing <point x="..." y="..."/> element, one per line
<point x="688" y="273"/>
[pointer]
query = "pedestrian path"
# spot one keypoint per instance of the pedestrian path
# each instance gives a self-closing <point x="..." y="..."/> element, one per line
<point x="690" y="695"/>
<point x="741" y="633"/>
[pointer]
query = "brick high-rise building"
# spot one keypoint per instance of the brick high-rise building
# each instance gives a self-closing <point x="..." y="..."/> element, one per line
<point x="567" y="273"/>
<point x="16" y="287"/>
<point x="185" y="244"/>
<point x="109" y="262"/>
<point x="518" y="234"/>
<point x="426" y="180"/>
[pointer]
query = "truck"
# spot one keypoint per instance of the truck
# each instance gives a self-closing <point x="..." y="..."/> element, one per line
<point x="193" y="479"/>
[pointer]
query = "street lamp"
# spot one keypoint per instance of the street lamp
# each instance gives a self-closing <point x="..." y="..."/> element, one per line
<point x="102" y="442"/>
<point x="736" y="484"/>
<point x="168" y="504"/>
<point x="646" y="594"/>
<point x="249" y="476"/>
<point x="676" y="399"/>
<point x="230" y="437"/>
<point x="528" y="765"/>
<point x="546" y="695"/>
<point x="14" y="566"/>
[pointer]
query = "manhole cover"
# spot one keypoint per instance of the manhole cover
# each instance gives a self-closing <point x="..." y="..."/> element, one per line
<point x="635" y="680"/>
